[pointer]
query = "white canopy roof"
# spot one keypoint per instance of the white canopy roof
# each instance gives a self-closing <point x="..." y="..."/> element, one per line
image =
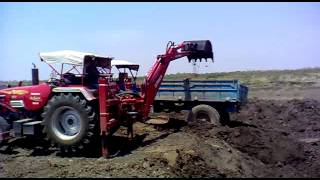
<point x="124" y="64"/>
<point x="121" y="62"/>
<point x="65" y="56"/>
<point x="76" y="58"/>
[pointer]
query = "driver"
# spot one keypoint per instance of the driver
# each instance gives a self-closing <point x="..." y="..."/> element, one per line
<point x="121" y="82"/>
<point x="93" y="75"/>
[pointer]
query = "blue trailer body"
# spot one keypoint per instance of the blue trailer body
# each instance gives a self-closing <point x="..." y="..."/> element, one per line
<point x="226" y="95"/>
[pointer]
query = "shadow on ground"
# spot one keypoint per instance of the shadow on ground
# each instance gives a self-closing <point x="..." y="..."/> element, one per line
<point x="118" y="145"/>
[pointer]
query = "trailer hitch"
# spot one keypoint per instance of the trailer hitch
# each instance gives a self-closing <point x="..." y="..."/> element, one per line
<point x="201" y="49"/>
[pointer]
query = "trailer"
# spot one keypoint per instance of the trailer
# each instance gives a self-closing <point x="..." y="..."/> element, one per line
<point x="209" y="100"/>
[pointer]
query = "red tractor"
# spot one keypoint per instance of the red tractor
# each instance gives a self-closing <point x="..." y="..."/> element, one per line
<point x="84" y="103"/>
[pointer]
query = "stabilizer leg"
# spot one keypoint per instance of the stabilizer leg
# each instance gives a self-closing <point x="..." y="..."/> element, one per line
<point x="104" y="146"/>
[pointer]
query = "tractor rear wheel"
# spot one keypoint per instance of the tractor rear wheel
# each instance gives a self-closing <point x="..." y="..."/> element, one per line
<point x="69" y="122"/>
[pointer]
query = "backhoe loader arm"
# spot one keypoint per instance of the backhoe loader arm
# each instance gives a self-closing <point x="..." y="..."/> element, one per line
<point x="192" y="49"/>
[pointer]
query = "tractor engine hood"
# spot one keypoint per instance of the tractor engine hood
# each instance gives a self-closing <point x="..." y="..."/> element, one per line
<point x="28" y="97"/>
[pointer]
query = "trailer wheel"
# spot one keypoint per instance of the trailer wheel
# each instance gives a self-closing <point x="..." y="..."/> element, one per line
<point x="69" y="122"/>
<point x="204" y="112"/>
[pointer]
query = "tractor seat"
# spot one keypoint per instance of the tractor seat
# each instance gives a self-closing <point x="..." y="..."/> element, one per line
<point x="71" y="78"/>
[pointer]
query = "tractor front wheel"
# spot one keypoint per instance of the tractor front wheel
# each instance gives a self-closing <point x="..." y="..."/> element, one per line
<point x="4" y="127"/>
<point x="69" y="122"/>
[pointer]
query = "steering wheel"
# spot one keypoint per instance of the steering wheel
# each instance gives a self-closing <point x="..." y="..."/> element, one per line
<point x="54" y="81"/>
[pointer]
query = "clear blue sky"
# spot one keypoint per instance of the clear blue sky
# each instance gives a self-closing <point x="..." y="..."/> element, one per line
<point x="245" y="36"/>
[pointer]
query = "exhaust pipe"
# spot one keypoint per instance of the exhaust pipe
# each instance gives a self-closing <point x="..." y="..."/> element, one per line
<point x="201" y="49"/>
<point x="35" y="75"/>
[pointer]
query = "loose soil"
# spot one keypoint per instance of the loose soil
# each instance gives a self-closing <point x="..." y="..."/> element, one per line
<point x="267" y="138"/>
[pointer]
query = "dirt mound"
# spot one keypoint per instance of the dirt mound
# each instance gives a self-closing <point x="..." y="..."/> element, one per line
<point x="298" y="118"/>
<point x="193" y="165"/>
<point x="283" y="135"/>
<point x="276" y="132"/>
<point x="194" y="156"/>
<point x="184" y="163"/>
<point x="267" y="145"/>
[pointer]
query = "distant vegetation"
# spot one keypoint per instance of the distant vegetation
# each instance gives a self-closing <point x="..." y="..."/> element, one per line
<point x="306" y="77"/>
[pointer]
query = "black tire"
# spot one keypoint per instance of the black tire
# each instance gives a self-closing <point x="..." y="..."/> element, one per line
<point x="204" y="112"/>
<point x="4" y="126"/>
<point x="66" y="114"/>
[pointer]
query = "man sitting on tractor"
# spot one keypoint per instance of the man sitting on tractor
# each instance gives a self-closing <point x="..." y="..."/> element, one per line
<point x="121" y="82"/>
<point x="92" y="75"/>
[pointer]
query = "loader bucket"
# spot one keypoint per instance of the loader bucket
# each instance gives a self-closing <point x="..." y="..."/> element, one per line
<point x="199" y="49"/>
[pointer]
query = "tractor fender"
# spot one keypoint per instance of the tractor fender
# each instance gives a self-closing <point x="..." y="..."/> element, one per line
<point x="87" y="94"/>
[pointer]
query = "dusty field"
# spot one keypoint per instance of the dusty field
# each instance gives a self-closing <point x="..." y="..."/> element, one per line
<point x="270" y="137"/>
<point x="286" y="93"/>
